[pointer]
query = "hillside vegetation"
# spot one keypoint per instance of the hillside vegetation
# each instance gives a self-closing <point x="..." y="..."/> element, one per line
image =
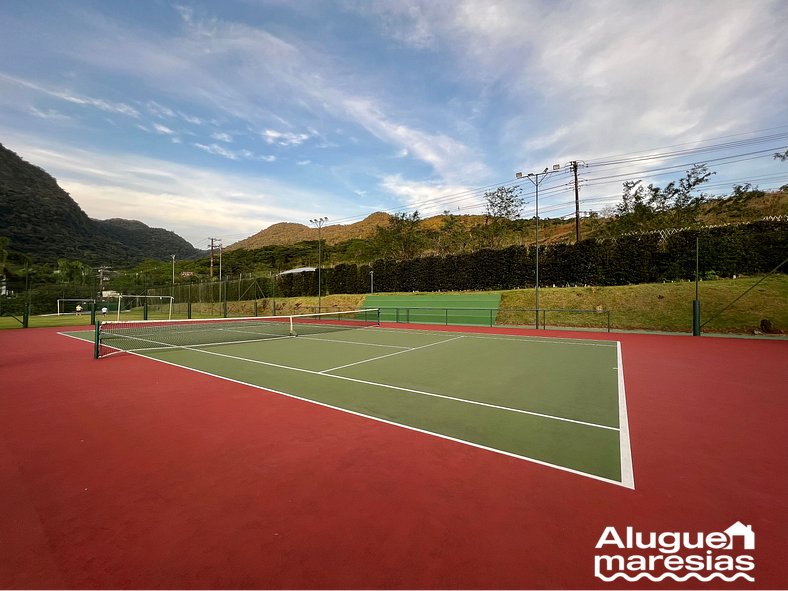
<point x="42" y="222"/>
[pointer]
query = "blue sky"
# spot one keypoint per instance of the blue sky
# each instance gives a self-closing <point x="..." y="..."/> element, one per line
<point x="217" y="119"/>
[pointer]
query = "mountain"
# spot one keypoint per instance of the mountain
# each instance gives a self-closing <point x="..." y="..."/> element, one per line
<point x="45" y="223"/>
<point x="286" y="233"/>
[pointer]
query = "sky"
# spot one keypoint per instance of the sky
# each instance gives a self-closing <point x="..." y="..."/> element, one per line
<point x="216" y="119"/>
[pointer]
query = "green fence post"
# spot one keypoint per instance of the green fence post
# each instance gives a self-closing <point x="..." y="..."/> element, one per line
<point x="696" y="318"/>
<point x="224" y="299"/>
<point x="93" y="313"/>
<point x="145" y="309"/>
<point x="96" y="341"/>
<point x="26" y="316"/>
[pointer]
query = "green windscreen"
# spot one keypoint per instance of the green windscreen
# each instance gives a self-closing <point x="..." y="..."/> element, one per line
<point x="474" y="309"/>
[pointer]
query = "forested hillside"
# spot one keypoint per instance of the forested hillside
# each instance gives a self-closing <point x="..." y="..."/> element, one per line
<point x="43" y="222"/>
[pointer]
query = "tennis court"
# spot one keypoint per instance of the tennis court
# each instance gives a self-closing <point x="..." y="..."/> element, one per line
<point x="559" y="402"/>
<point x="146" y="470"/>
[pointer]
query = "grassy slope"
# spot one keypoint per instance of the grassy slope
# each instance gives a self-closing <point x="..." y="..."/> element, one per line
<point x="660" y="307"/>
<point x="668" y="306"/>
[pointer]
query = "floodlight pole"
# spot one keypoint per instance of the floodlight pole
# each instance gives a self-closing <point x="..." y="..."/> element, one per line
<point x="319" y="223"/>
<point x="536" y="178"/>
<point x="372" y="282"/>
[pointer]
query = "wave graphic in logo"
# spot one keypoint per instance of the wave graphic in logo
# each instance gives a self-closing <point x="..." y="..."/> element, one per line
<point x="654" y="579"/>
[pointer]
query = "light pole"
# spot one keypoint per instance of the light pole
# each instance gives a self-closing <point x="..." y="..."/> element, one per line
<point x="319" y="223"/>
<point x="372" y="282"/>
<point x="173" y="268"/>
<point x="536" y="179"/>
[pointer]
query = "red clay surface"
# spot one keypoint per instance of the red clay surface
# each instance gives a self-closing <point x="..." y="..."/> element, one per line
<point x="128" y="473"/>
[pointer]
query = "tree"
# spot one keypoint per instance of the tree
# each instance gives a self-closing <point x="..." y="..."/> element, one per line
<point x="675" y="205"/>
<point x="504" y="202"/>
<point x="4" y="241"/>
<point x="403" y="238"/>
<point x="503" y="206"/>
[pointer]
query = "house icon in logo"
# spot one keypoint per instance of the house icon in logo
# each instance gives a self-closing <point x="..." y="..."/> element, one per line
<point x="745" y="532"/>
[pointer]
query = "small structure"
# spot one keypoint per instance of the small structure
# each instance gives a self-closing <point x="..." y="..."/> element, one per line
<point x="738" y="529"/>
<point x="298" y="270"/>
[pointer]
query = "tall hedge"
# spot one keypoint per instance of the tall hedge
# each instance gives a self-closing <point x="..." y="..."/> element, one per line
<point x="647" y="258"/>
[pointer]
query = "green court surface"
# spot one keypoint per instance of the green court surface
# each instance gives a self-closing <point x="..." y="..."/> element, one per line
<point x="469" y="309"/>
<point x="554" y="401"/>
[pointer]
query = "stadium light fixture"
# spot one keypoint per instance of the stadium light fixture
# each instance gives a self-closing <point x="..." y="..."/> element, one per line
<point x="319" y="223"/>
<point x="536" y="178"/>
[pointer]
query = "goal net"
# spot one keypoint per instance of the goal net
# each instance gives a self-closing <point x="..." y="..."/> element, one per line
<point x="145" y="306"/>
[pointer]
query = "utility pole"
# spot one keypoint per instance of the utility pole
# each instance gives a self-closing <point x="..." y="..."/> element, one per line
<point x="574" y="165"/>
<point x="213" y="240"/>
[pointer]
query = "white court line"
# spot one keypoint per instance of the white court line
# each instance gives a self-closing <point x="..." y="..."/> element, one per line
<point x="514" y="337"/>
<point x="390" y="354"/>
<point x="623" y="432"/>
<point x="388" y="422"/>
<point x="308" y="338"/>
<point x="403" y="389"/>
<point x="627" y="470"/>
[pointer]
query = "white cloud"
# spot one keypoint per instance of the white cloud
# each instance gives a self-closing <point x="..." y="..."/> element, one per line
<point x="50" y="114"/>
<point x="222" y="137"/>
<point x="430" y="198"/>
<point x="162" y="129"/>
<point x="284" y="138"/>
<point x="244" y="154"/>
<point x="447" y="156"/>
<point x="101" y="104"/>
<point x="194" y="202"/>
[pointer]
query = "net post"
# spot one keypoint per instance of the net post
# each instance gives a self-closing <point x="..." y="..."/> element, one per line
<point x="145" y="309"/>
<point x="26" y="316"/>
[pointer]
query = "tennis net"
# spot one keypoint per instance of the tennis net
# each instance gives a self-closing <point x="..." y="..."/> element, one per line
<point x="141" y="335"/>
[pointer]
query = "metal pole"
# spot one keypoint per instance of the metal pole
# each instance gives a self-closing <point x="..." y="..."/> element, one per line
<point x="696" y="303"/>
<point x="319" y="266"/>
<point x="372" y="282"/>
<point x="319" y="223"/>
<point x="537" y="250"/>
<point x="534" y="178"/>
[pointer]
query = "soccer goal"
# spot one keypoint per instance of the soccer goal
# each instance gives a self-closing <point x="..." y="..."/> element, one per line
<point x="160" y="306"/>
<point x="74" y="306"/>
